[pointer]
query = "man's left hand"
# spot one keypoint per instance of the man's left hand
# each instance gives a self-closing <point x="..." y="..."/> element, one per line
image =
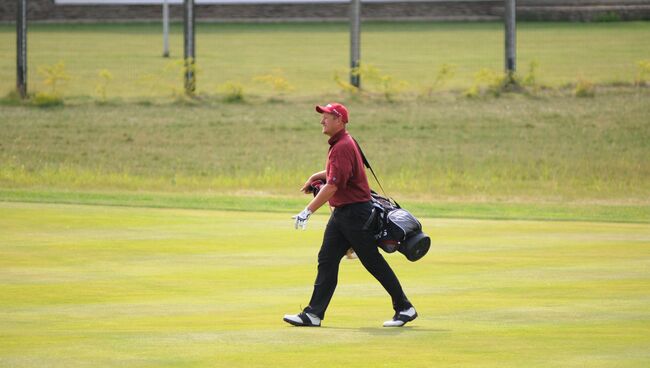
<point x="301" y="218"/>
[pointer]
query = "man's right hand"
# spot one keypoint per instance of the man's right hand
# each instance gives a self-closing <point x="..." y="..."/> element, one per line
<point x="306" y="188"/>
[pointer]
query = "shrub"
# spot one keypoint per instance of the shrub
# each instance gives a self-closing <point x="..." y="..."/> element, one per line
<point x="391" y="88"/>
<point x="643" y="73"/>
<point x="584" y="88"/>
<point x="275" y="80"/>
<point x="53" y="77"/>
<point x="45" y="99"/>
<point x="377" y="82"/>
<point x="233" y="91"/>
<point x="445" y="73"/>
<point x="472" y="91"/>
<point x="345" y="86"/>
<point x="105" y="77"/>
<point x="170" y="77"/>
<point x="488" y="81"/>
<point x="172" y="73"/>
<point x="530" y="79"/>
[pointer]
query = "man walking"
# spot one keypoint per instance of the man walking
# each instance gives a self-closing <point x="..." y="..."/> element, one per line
<point x="347" y="191"/>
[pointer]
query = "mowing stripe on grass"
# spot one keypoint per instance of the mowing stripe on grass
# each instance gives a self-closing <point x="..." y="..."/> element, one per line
<point x="223" y="202"/>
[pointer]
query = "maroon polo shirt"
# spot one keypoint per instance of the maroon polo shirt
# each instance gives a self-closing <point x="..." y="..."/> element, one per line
<point x="345" y="170"/>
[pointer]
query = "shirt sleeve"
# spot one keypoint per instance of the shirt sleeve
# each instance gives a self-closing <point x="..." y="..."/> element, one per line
<point x="340" y="167"/>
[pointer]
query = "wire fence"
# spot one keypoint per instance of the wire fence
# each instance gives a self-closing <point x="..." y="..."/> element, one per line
<point x="125" y="60"/>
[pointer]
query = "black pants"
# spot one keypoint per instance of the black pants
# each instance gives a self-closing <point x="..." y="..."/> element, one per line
<point x="345" y="230"/>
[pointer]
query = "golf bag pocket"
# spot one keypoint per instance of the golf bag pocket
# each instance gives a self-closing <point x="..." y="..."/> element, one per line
<point x="401" y="224"/>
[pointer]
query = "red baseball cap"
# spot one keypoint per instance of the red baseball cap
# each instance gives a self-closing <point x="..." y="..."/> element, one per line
<point x="336" y="109"/>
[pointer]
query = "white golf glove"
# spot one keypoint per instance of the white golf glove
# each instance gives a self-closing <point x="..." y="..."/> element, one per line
<point x="301" y="218"/>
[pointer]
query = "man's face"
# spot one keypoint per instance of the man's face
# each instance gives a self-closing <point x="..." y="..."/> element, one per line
<point x="331" y="124"/>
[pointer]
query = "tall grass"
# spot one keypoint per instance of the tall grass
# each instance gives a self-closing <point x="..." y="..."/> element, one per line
<point x="548" y="148"/>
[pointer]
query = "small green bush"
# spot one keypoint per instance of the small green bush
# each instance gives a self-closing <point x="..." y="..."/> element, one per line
<point x="172" y="77"/>
<point x="105" y="77"/>
<point x="232" y="91"/>
<point x="445" y="73"/>
<point x="391" y="88"/>
<point x="643" y="73"/>
<point x="54" y="76"/>
<point x="346" y="86"/>
<point x="584" y="88"/>
<point x="275" y="80"/>
<point x="373" y="81"/>
<point x="45" y="99"/>
<point x="530" y="79"/>
<point x="472" y="91"/>
<point x="488" y="81"/>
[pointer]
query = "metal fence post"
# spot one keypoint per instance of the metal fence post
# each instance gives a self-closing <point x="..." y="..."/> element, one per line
<point x="165" y="20"/>
<point x="21" y="49"/>
<point x="355" y="43"/>
<point x="189" y="46"/>
<point x="510" y="37"/>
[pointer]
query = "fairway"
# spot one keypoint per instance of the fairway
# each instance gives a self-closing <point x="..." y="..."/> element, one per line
<point x="103" y="286"/>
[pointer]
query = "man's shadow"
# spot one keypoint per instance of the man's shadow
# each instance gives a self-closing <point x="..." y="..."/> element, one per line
<point x="386" y="331"/>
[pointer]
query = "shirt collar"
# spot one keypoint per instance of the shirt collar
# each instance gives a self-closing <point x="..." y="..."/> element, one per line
<point x="337" y="137"/>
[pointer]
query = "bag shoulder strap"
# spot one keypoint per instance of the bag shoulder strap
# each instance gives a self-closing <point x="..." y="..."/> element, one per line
<point x="367" y="164"/>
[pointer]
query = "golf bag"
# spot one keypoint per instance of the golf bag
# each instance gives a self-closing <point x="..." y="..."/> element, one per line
<point x="396" y="229"/>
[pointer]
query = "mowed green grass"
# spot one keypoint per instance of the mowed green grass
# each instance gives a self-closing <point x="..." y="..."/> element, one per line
<point x="308" y="54"/>
<point x="135" y="287"/>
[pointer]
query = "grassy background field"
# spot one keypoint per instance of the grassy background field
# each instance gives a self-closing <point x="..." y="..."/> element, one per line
<point x="308" y="55"/>
<point x="129" y="287"/>
<point x="551" y="148"/>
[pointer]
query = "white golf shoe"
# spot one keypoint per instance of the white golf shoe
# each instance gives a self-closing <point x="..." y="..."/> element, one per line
<point x="302" y="319"/>
<point x="401" y="318"/>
